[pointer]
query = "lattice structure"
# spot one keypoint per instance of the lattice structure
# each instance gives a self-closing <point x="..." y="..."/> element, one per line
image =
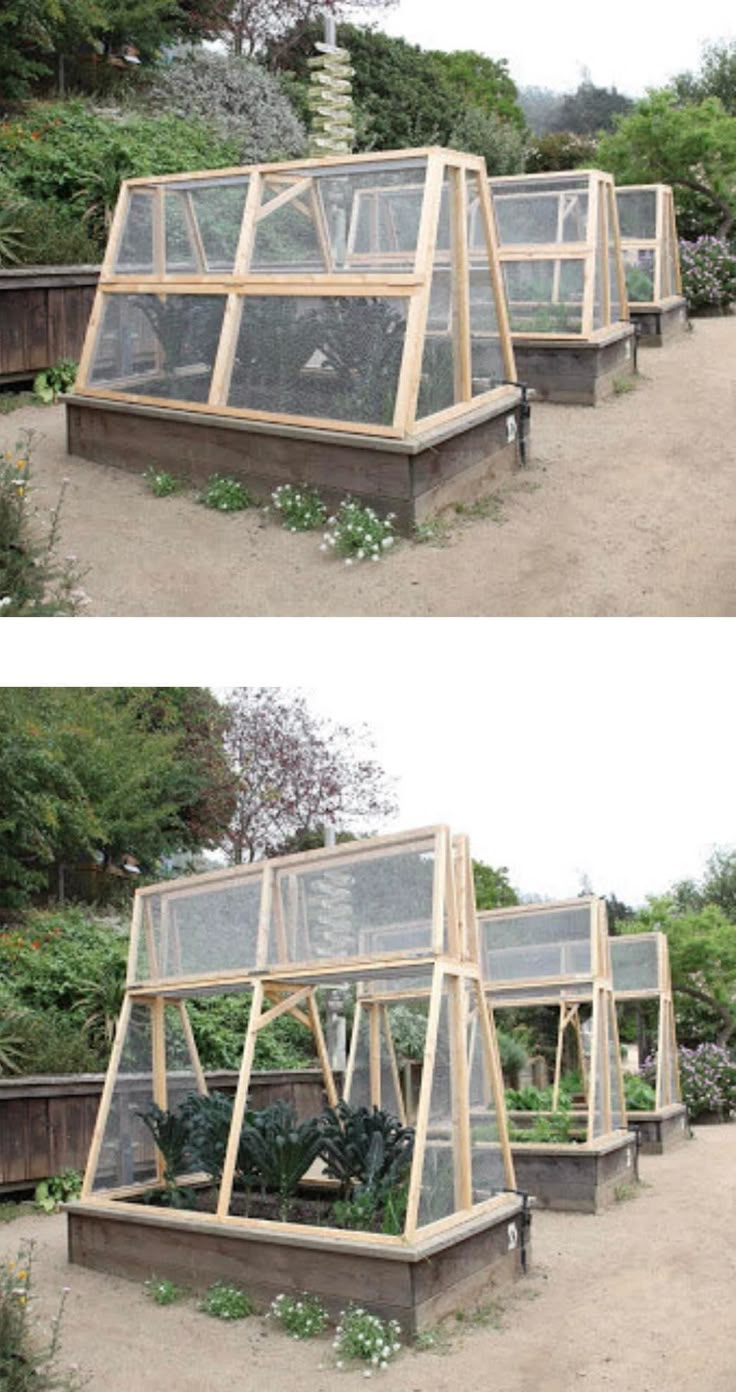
<point x="558" y="954"/>
<point x="649" y="243"/>
<point x="336" y="293"/>
<point x="561" y="254"/>
<point x="382" y="915"/>
<point x="641" y="971"/>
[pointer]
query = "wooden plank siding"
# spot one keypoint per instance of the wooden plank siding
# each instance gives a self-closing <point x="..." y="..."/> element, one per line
<point x="43" y="317"/>
<point x="46" y="1123"/>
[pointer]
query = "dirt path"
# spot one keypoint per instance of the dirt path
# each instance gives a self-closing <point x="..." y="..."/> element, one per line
<point x="641" y="1297"/>
<point x="626" y="510"/>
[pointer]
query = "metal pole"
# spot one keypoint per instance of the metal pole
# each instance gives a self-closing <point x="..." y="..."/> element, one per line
<point x="330" y="30"/>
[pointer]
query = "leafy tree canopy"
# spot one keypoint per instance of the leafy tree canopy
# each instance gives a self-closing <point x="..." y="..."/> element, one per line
<point x="275" y="27"/>
<point x="294" y="771"/>
<point x="493" y="889"/>
<point x="702" y="947"/>
<point x="481" y="82"/>
<point x="716" y="78"/>
<point x="561" y="150"/>
<point x="692" y="147"/>
<point x="591" y="109"/>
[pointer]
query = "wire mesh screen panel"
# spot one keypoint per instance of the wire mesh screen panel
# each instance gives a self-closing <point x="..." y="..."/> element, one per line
<point x="334" y="358"/>
<point x="135" y="249"/>
<point x="437" y="1198"/>
<point x="337" y="218"/>
<point x="213" y="214"/>
<point x="607" y="192"/>
<point x="161" y="346"/>
<point x="378" y="903"/>
<point x="599" y="1065"/>
<point x="127" y="1154"/>
<point x="486" y="354"/>
<point x="488" y="1174"/>
<point x="208" y="929"/>
<point x="635" y="963"/>
<point x="374" y="1080"/>
<point x="618" y="1112"/>
<point x="639" y="268"/>
<point x="541" y="211"/>
<point x="439" y="366"/>
<point x="637" y="212"/>
<point x="532" y="946"/>
<point x="545" y="296"/>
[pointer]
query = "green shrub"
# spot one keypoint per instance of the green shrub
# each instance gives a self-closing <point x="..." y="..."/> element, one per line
<point x="57" y="1189"/>
<point x="357" y="533"/>
<point x="226" y="1302"/>
<point x="303" y="1317"/>
<point x="34" y="581"/>
<point x="513" y="1056"/>
<point x="55" y="381"/>
<point x="300" y="508"/>
<point x="225" y="494"/>
<point x="708" y="272"/>
<point x="640" y="1096"/>
<point x="52" y="234"/>
<point x="66" y="153"/>
<point x="277" y="1150"/>
<point x="365" y="1146"/>
<point x="409" y="1030"/>
<point x="365" y="1338"/>
<point x="161" y="483"/>
<point x="163" y="1292"/>
<point x="26" y="1365"/>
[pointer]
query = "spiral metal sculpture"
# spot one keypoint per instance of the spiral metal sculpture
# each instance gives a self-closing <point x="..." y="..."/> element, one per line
<point x="331" y="101"/>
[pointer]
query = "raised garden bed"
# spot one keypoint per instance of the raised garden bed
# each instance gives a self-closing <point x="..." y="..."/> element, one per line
<point x="579" y="1178"/>
<point x="658" y="325"/>
<point x="578" y="373"/>
<point x="662" y="1130"/>
<point x="416" y="1283"/>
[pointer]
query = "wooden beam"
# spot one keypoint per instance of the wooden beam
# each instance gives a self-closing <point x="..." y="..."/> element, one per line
<point x="284" y="1006"/>
<point x="241" y="1096"/>
<point x="230" y="331"/>
<point x="352" y="1051"/>
<point x="495" y="1078"/>
<point x="158" y="1057"/>
<point x="460" y="1094"/>
<point x="93" y="1158"/>
<point x="405" y="406"/>
<point x="425" y="1097"/>
<point x="191" y="1043"/>
<point x="135" y="934"/>
<point x="294" y="190"/>
<point x="460" y="283"/>
<point x="322" y="1053"/>
<point x="374" y="1052"/>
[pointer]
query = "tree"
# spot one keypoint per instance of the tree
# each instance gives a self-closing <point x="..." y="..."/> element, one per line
<point x="716" y="78"/>
<point x="590" y="109"/>
<point x="702" y="950"/>
<point x="273" y="28"/>
<point x="294" y="770"/>
<point x="401" y="95"/>
<point x="202" y="782"/>
<point x="692" y="147"/>
<point x="540" y="107"/>
<point x="482" y="83"/>
<point x="561" y="150"/>
<point x="493" y="889"/>
<point x="105" y="773"/>
<point x="501" y="143"/>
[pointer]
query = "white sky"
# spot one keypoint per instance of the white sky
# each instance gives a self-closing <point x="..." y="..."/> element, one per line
<point x="562" y="746"/>
<point x="632" y="45"/>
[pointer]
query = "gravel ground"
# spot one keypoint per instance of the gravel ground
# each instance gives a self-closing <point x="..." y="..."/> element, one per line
<point x="629" y="509"/>
<point x="641" y="1296"/>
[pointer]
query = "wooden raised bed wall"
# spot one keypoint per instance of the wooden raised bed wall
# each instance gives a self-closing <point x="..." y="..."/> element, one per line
<point x="46" y="1123"/>
<point x="43" y="316"/>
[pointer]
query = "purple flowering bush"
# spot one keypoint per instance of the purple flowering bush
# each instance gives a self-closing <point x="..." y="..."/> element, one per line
<point x="708" y="272"/>
<point x="707" y="1077"/>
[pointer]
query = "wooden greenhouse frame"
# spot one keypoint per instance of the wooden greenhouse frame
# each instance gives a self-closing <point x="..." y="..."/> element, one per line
<point x="660" y="243"/>
<point x="284" y="957"/>
<point x="344" y="273"/>
<point x="566" y="989"/>
<point x="654" y="983"/>
<point x="597" y="249"/>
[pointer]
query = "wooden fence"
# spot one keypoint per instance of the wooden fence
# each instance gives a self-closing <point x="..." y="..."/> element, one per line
<point x="43" y="316"/>
<point x="46" y="1123"/>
